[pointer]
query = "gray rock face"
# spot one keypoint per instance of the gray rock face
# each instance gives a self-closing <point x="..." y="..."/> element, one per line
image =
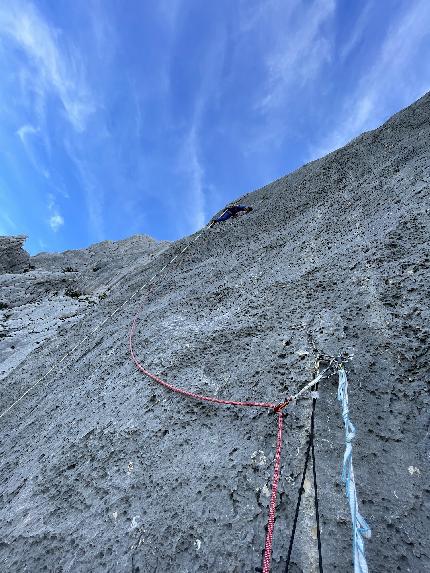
<point x="104" y="470"/>
<point x="59" y="290"/>
<point x="13" y="258"/>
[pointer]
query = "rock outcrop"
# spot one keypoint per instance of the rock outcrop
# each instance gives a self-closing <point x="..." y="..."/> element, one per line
<point x="59" y="290"/>
<point x="102" y="470"/>
<point x="13" y="258"/>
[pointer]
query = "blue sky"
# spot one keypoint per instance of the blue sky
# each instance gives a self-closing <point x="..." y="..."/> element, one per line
<point x="131" y="117"/>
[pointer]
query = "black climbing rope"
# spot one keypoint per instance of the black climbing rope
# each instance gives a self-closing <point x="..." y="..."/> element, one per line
<point x="317" y="513"/>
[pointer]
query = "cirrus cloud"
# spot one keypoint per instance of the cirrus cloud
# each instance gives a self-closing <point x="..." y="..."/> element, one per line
<point x="52" y="66"/>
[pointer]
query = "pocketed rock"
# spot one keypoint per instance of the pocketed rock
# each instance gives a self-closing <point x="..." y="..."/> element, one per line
<point x="102" y="470"/>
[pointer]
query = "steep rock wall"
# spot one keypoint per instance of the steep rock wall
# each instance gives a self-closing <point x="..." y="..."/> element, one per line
<point x="103" y="470"/>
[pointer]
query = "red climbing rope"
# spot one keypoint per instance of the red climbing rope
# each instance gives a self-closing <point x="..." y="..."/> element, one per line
<point x="187" y="392"/>
<point x="276" y="408"/>
<point x="272" y="508"/>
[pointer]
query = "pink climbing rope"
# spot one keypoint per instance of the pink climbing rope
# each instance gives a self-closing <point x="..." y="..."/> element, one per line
<point x="187" y="392"/>
<point x="276" y="408"/>
<point x="272" y="508"/>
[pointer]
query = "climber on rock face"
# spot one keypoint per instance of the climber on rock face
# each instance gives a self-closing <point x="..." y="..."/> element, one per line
<point x="231" y="211"/>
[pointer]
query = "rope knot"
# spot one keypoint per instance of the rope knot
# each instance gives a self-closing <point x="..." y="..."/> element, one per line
<point x="281" y="406"/>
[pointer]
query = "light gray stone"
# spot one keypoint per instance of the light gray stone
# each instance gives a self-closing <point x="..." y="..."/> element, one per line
<point x="104" y="470"/>
<point x="13" y="258"/>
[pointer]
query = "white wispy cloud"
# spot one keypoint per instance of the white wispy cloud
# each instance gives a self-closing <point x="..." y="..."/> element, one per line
<point x="42" y="245"/>
<point x="194" y="168"/>
<point x="300" y="48"/>
<point x="356" y="34"/>
<point x="55" y="222"/>
<point x="399" y="75"/>
<point x="51" y="66"/>
<point x="50" y="71"/>
<point x="25" y="130"/>
<point x="190" y="155"/>
<point x="93" y="190"/>
<point x="292" y="43"/>
<point x="26" y="133"/>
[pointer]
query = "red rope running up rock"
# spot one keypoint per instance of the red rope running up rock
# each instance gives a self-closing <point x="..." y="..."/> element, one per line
<point x="272" y="508"/>
<point x="276" y="408"/>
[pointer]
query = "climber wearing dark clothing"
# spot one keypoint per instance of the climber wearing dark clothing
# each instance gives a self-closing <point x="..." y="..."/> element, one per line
<point x="231" y="211"/>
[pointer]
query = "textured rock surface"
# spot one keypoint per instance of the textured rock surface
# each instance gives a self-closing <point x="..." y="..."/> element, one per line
<point x="102" y="470"/>
<point x="59" y="289"/>
<point x="13" y="258"/>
